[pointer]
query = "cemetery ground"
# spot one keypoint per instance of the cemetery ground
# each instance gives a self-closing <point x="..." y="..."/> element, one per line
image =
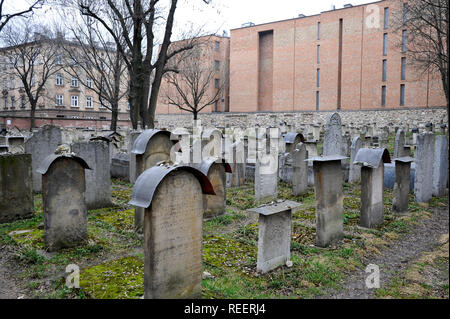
<point x="411" y="250"/>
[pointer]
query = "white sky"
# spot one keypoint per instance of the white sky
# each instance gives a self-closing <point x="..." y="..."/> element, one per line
<point x="230" y="14"/>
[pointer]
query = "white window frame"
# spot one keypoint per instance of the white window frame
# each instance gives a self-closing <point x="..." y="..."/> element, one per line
<point x="74" y="80"/>
<point x="91" y="104"/>
<point x="58" y="98"/>
<point x="59" y="79"/>
<point x="74" y="98"/>
<point x="89" y="82"/>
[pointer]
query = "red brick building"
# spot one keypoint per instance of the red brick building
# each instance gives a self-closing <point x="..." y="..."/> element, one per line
<point x="348" y="58"/>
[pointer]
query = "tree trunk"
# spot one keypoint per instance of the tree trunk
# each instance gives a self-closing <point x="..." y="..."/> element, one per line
<point x="114" y="116"/>
<point x="195" y="115"/>
<point x="32" y="115"/>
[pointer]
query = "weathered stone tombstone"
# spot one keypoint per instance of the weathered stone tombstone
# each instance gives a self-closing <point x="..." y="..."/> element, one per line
<point x="274" y="235"/>
<point x="266" y="171"/>
<point x="150" y="147"/>
<point x="212" y="143"/>
<point x="355" y="170"/>
<point x="98" y="179"/>
<point x="332" y="142"/>
<point x="214" y="205"/>
<point x="423" y="158"/>
<point x="329" y="199"/>
<point x="63" y="197"/>
<point x="400" y="147"/>
<point x="291" y="140"/>
<point x="402" y="182"/>
<point x="440" y="167"/>
<point x="41" y="144"/>
<point x="16" y="144"/>
<point x="120" y="166"/>
<point x="132" y="161"/>
<point x="300" y="170"/>
<point x="372" y="174"/>
<point x="237" y="177"/>
<point x="16" y="187"/>
<point x="172" y="198"/>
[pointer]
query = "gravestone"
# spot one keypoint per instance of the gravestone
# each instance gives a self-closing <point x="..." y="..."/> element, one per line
<point x="98" y="178"/>
<point x="329" y="199"/>
<point x="300" y="170"/>
<point x="440" y="167"/>
<point x="372" y="174"/>
<point x="402" y="183"/>
<point x="211" y="143"/>
<point x="423" y="158"/>
<point x="237" y="177"/>
<point x="285" y="168"/>
<point x="150" y="147"/>
<point x="40" y="145"/>
<point x="132" y="160"/>
<point x="400" y="147"/>
<point x="16" y="144"/>
<point x="274" y="235"/>
<point x="355" y="170"/>
<point x="172" y="198"/>
<point x="16" y="187"/>
<point x="63" y="198"/>
<point x="120" y="166"/>
<point x="214" y="205"/>
<point x="332" y="142"/>
<point x="291" y="140"/>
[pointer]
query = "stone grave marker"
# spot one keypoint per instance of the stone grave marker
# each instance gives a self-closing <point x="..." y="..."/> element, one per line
<point x="355" y="170"/>
<point x="402" y="182"/>
<point x="440" y="166"/>
<point x="300" y="170"/>
<point x="423" y="158"/>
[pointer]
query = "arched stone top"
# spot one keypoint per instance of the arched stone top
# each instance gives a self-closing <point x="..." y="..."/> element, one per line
<point x="291" y="136"/>
<point x="206" y="164"/>
<point x="209" y="132"/>
<point x="140" y="144"/>
<point x="49" y="160"/>
<point x="147" y="183"/>
<point x="372" y="157"/>
<point x="334" y="119"/>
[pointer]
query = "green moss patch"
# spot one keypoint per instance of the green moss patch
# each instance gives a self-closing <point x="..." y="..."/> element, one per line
<point x="123" y="220"/>
<point x="122" y="278"/>
<point x="30" y="238"/>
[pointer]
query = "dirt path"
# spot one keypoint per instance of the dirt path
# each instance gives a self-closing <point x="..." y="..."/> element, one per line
<point x="8" y="287"/>
<point x="423" y="238"/>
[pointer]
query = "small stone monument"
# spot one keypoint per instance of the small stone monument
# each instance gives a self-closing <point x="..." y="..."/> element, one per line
<point x="440" y="167"/>
<point x="355" y="170"/>
<point x="291" y="140"/>
<point x="402" y="181"/>
<point x="329" y="199"/>
<point x="300" y="170"/>
<point x="274" y="234"/>
<point x="172" y="198"/>
<point x="423" y="158"/>
<point x="372" y="174"/>
<point x="63" y="197"/>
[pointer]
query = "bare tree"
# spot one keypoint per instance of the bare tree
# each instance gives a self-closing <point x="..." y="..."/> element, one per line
<point x="196" y="80"/>
<point x="32" y="55"/>
<point x="424" y="26"/>
<point x="6" y="17"/>
<point x="93" y="58"/>
<point x="139" y="21"/>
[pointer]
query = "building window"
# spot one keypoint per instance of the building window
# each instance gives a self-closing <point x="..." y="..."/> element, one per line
<point x="318" y="54"/>
<point x="5" y="84"/>
<point x="403" y="72"/>
<point x="74" y="101"/>
<point x="402" y="94"/>
<point x="385" y="43"/>
<point x="318" y="30"/>
<point x="216" y="65"/>
<point x="383" y="95"/>
<point x="317" y="100"/>
<point x="5" y="102"/>
<point x="22" y="101"/>
<point x="74" y="81"/>
<point x="217" y="45"/>
<point x="59" y="99"/>
<point x="386" y="18"/>
<point x="216" y="83"/>
<point x="404" y="34"/>
<point x="89" y="103"/>
<point x="383" y="77"/>
<point x="58" y="58"/>
<point x="405" y="13"/>
<point x="318" y="78"/>
<point x="89" y="82"/>
<point x="60" y="115"/>
<point x="128" y="106"/>
<point x="59" y="79"/>
<point x="13" y="102"/>
<point x="12" y="83"/>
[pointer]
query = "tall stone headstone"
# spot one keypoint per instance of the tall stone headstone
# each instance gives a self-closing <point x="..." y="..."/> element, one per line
<point x="173" y="202"/>
<point x="300" y="170"/>
<point x="332" y="142"/>
<point x="274" y="235"/>
<point x="266" y="170"/>
<point x="16" y="187"/>
<point x="132" y="161"/>
<point x="98" y="179"/>
<point x="400" y="147"/>
<point x="63" y="197"/>
<point x="149" y="148"/>
<point x="237" y="177"/>
<point x="40" y="145"/>
<point x="400" y="199"/>
<point x="423" y="158"/>
<point x="329" y="199"/>
<point x="355" y="170"/>
<point x="440" y="166"/>
<point x="372" y="181"/>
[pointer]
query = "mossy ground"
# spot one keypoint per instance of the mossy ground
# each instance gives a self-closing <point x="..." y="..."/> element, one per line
<point x="111" y="261"/>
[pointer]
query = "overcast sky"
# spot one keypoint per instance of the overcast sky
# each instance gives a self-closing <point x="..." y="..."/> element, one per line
<point x="230" y="14"/>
